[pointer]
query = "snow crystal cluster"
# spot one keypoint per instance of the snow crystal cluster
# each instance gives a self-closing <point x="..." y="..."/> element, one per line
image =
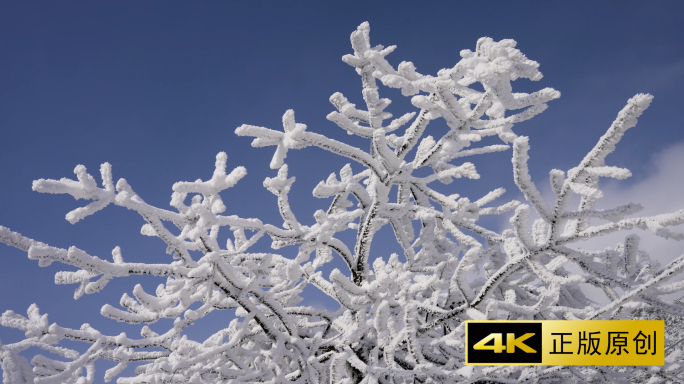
<point x="400" y="318"/>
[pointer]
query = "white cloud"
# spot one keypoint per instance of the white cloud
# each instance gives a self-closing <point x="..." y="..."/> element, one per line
<point x="662" y="191"/>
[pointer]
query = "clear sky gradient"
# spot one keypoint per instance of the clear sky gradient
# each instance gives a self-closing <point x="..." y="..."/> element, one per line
<point x="157" y="88"/>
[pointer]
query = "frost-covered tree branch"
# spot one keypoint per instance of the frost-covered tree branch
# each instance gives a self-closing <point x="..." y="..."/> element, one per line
<point x="400" y="318"/>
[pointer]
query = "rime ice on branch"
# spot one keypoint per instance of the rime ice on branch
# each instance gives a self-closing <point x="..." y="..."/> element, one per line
<point x="398" y="321"/>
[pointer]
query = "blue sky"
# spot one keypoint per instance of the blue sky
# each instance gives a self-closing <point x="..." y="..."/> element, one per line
<point x="157" y="88"/>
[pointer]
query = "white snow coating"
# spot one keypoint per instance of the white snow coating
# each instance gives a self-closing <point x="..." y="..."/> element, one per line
<point x="398" y="321"/>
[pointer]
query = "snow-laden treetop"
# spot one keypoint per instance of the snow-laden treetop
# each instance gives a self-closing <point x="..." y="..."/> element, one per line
<point x="400" y="318"/>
